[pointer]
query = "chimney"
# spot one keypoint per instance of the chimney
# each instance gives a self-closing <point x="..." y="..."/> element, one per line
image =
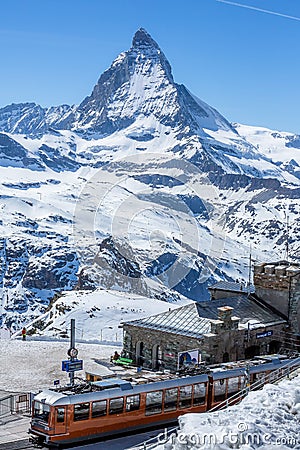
<point x="225" y="314"/>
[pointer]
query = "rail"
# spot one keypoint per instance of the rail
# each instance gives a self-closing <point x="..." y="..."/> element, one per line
<point x="285" y="370"/>
<point x="15" y="404"/>
<point x="156" y="440"/>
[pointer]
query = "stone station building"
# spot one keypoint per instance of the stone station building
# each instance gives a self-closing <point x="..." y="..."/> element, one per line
<point x="236" y="324"/>
<point x="222" y="330"/>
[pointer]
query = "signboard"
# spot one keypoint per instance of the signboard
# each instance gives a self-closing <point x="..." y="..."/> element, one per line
<point x="189" y="358"/>
<point x="72" y="366"/>
<point x="264" y="334"/>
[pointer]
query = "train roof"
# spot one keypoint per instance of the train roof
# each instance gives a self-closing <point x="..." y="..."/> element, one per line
<point x="124" y="388"/>
<point x="118" y="387"/>
<point x="273" y="364"/>
<point x="51" y="397"/>
<point x="112" y="388"/>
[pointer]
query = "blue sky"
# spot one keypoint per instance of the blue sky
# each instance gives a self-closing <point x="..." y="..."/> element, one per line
<point x="242" y="61"/>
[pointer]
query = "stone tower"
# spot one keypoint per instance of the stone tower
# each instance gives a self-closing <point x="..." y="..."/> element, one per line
<point x="278" y="284"/>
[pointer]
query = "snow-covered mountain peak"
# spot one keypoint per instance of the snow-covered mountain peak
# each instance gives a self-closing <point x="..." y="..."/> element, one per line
<point x="143" y="39"/>
<point x="139" y="82"/>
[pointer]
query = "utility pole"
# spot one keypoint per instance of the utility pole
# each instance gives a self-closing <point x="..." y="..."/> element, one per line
<point x="249" y="274"/>
<point x="287" y="238"/>
<point x="72" y="350"/>
<point x="72" y="364"/>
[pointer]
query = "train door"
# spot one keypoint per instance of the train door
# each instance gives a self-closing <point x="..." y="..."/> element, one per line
<point x="60" y="420"/>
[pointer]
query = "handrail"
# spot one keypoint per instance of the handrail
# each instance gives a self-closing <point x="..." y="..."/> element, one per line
<point x="5" y="409"/>
<point x="10" y="404"/>
<point x="152" y="442"/>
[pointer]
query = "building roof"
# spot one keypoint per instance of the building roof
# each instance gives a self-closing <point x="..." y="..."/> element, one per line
<point x="185" y="321"/>
<point x="243" y="307"/>
<point x="231" y="286"/>
<point x="195" y="319"/>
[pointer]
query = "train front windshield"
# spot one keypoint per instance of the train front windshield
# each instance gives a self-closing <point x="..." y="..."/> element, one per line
<point x="41" y="411"/>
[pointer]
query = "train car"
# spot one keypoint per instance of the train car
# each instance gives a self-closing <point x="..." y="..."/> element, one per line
<point x="115" y="406"/>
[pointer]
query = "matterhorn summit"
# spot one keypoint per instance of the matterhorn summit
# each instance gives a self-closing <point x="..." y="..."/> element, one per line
<point x="140" y="83"/>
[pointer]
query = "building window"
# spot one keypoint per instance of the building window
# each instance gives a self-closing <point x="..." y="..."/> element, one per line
<point x="171" y="398"/>
<point x="81" y="411"/>
<point x="199" y="394"/>
<point x="132" y="403"/>
<point x="99" y="408"/>
<point x="116" y="405"/>
<point x="185" y="396"/>
<point x="156" y="357"/>
<point x="153" y="403"/>
<point x="139" y="353"/>
<point x="225" y="357"/>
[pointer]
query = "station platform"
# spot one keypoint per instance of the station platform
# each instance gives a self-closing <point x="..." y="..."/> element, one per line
<point x="14" y="432"/>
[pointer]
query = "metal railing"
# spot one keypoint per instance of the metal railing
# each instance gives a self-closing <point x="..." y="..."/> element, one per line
<point x="155" y="441"/>
<point x="15" y="404"/>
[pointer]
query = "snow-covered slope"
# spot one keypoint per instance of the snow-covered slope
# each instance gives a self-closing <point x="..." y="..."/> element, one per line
<point x="142" y="188"/>
<point x="282" y="148"/>
<point x="98" y="314"/>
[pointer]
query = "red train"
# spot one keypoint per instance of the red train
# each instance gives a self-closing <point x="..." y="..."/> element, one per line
<point x="114" y="406"/>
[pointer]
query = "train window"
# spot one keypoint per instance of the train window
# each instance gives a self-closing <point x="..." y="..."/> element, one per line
<point x="272" y="377"/>
<point x="153" y="402"/>
<point x="116" y="405"/>
<point x="219" y="390"/>
<point x="171" y="396"/>
<point x="233" y="386"/>
<point x="132" y="403"/>
<point x="81" y="411"/>
<point x="185" y="396"/>
<point x="60" y="415"/>
<point x="199" y="394"/>
<point x="99" y="408"/>
<point x="262" y="377"/>
<point x="41" y="411"/>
